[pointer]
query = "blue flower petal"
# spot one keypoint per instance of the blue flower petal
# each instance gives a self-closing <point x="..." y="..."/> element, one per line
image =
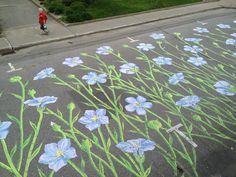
<point x="130" y="107"/>
<point x="55" y="166"/>
<point x="3" y="134"/>
<point x="92" y="126"/>
<point x="140" y="111"/>
<point x="141" y="99"/>
<point x="85" y="120"/>
<point x="5" y="125"/>
<point x="70" y="153"/>
<point x="130" y="100"/>
<point x="47" y="158"/>
<point x="50" y="148"/>
<point x="64" y="144"/>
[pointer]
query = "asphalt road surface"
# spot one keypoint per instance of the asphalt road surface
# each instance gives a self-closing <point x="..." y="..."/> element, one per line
<point x="182" y="72"/>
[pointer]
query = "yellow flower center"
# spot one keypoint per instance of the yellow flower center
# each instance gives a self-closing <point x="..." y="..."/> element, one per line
<point x="94" y="118"/>
<point x="137" y="104"/>
<point x="59" y="153"/>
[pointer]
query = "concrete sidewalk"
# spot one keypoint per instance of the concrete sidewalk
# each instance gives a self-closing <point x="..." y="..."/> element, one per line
<point x="29" y="35"/>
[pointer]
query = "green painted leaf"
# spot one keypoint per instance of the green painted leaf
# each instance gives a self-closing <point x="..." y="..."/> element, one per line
<point x="13" y="151"/>
<point x="233" y="90"/>
<point x="41" y="173"/>
<point x="154" y="124"/>
<point x="26" y="142"/>
<point x="13" y="118"/>
<point x="196" y="117"/>
<point x="17" y="96"/>
<point x="82" y="164"/>
<point x="36" y="151"/>
<point x="33" y="125"/>
<point x="86" y="145"/>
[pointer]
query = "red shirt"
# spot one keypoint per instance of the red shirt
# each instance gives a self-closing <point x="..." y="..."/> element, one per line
<point x="42" y="18"/>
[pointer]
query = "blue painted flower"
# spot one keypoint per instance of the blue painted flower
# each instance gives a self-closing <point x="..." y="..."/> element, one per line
<point x="47" y="72"/>
<point x="157" y="36"/>
<point x="92" y="78"/>
<point x="94" y="119"/>
<point x="162" y="60"/>
<point x="72" y="62"/>
<point x="234" y="21"/>
<point x="230" y="42"/>
<point x="195" y="40"/>
<point x="176" y="78"/>
<point x="193" y="49"/>
<point x="138" y="104"/>
<point x="129" y="68"/>
<point x="56" y="155"/>
<point x="41" y="101"/>
<point x="145" y="47"/>
<point x="104" y="50"/>
<point x="197" y="61"/>
<point x="224" y="88"/>
<point x="188" y="101"/>
<point x="233" y="34"/>
<point x="201" y="30"/>
<point x="136" y="146"/>
<point x="223" y="26"/>
<point x="4" y="126"/>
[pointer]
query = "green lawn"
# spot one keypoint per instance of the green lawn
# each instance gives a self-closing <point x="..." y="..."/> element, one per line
<point x="106" y="8"/>
<point x="81" y="10"/>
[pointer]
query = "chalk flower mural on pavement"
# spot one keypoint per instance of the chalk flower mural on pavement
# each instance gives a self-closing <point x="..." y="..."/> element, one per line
<point x="123" y="106"/>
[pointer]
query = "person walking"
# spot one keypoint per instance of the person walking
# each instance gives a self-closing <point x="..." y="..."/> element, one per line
<point x="42" y="21"/>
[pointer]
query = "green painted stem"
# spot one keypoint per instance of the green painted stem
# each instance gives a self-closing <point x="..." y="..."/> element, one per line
<point x="9" y="160"/>
<point x="29" y="156"/>
<point x="77" y="169"/>
<point x="5" y="167"/>
<point x="21" y="126"/>
<point x="107" y="152"/>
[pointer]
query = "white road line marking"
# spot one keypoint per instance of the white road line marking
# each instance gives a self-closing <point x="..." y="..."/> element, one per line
<point x="132" y="40"/>
<point x="13" y="69"/>
<point x="203" y="23"/>
<point x="176" y="128"/>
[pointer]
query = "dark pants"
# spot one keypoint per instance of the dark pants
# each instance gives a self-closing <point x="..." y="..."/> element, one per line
<point x="42" y="27"/>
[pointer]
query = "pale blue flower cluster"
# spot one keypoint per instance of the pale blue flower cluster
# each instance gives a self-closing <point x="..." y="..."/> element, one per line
<point x="104" y="50"/>
<point x="72" y="62"/>
<point x="197" y="61"/>
<point x="92" y="78"/>
<point x="162" y="60"/>
<point x="41" y="101"/>
<point x="136" y="146"/>
<point x="48" y="72"/>
<point x="201" y="30"/>
<point x="56" y="155"/>
<point x="230" y="42"/>
<point x="138" y="104"/>
<point x="193" y="49"/>
<point x="188" y="101"/>
<point x="195" y="40"/>
<point x="223" y="26"/>
<point x="94" y="119"/>
<point x="176" y="78"/>
<point x="145" y="47"/>
<point x="129" y="68"/>
<point x="233" y="34"/>
<point x="4" y="129"/>
<point x="157" y="36"/>
<point x="224" y="88"/>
